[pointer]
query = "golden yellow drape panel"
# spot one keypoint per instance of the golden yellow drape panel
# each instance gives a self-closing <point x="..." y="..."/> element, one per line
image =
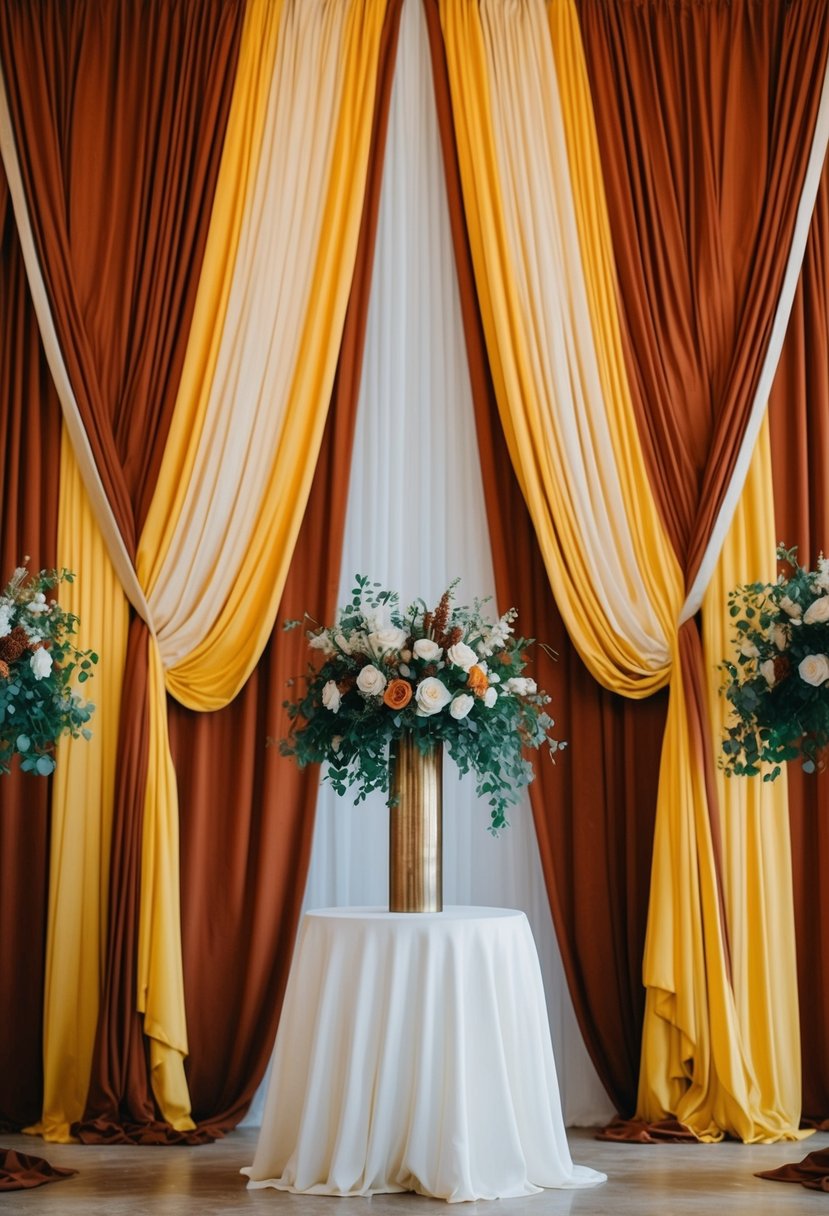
<point x="81" y="816"/>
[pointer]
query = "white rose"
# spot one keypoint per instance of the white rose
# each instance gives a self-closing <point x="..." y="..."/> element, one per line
<point x="749" y="651"/>
<point x="41" y="663"/>
<point x="817" y="611"/>
<point x="490" y="697"/>
<point x="432" y="696"/>
<point x="790" y="607"/>
<point x="814" y="669"/>
<point x="767" y="672"/>
<point x="461" y="705"/>
<point x="427" y="650"/>
<point x="384" y="640"/>
<point x="371" y="681"/>
<point x="331" y="696"/>
<point x="461" y="655"/>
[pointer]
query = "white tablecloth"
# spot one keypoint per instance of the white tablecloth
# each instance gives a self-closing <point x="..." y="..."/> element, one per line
<point x="414" y="1054"/>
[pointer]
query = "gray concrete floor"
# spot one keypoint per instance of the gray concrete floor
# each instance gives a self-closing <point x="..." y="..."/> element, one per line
<point x="657" y="1180"/>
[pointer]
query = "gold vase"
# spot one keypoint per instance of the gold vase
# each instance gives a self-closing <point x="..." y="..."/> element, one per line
<point x="416" y="829"/>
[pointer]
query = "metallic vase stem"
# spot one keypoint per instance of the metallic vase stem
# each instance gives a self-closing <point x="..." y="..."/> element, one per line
<point x="416" y="829"/>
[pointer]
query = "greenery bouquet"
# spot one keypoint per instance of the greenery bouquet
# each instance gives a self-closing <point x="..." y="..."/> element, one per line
<point x="38" y="663"/>
<point x="443" y="676"/>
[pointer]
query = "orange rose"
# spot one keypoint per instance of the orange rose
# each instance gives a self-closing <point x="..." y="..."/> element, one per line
<point x="477" y="681"/>
<point x="398" y="694"/>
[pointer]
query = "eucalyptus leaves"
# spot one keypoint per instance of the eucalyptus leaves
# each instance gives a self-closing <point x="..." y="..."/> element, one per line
<point x="38" y="663"/>
<point x="446" y="675"/>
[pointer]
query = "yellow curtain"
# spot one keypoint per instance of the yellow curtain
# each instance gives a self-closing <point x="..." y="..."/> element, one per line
<point x="541" y="251"/>
<point x="82" y="795"/>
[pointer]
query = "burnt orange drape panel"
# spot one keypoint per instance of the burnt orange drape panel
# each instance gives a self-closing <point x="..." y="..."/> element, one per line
<point x="247" y="814"/>
<point x="594" y="809"/>
<point x="799" y="420"/>
<point x="29" y="462"/>
<point x="119" y="211"/>
<point x="705" y="114"/>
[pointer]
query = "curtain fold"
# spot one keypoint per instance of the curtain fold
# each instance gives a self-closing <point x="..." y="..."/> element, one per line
<point x="800" y="471"/>
<point x="116" y="276"/>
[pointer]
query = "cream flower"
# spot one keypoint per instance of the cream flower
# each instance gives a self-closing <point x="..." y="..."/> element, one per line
<point x="331" y="696"/>
<point x="521" y="685"/>
<point x="790" y="607"/>
<point x="461" y="655"/>
<point x="814" y="669"/>
<point x="432" y="696"/>
<point x="427" y="650"/>
<point x="748" y="650"/>
<point x="371" y="681"/>
<point x="322" y="641"/>
<point x="817" y="611"/>
<point x="41" y="663"/>
<point x="461" y="705"/>
<point x="490" y="697"/>
<point x="780" y="636"/>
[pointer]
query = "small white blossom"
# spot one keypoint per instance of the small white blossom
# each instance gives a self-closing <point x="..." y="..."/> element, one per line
<point x="490" y="697"/>
<point x="790" y="606"/>
<point x="322" y="641"/>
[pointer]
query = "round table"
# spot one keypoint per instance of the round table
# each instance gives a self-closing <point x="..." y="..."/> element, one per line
<point x="414" y="1054"/>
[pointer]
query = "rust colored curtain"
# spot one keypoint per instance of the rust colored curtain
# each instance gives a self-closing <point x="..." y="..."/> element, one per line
<point x="30" y="430"/>
<point x="594" y="810"/>
<point x="705" y="114"/>
<point x="799" y="420"/>
<point x="247" y="814"/>
<point x="120" y="211"/>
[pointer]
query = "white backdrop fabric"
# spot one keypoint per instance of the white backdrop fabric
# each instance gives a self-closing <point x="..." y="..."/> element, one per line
<point x="416" y="519"/>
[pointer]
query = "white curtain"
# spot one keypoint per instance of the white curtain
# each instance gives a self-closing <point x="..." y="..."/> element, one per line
<point x="416" y="519"/>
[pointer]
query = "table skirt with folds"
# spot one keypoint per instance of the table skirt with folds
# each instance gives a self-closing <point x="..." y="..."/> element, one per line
<point x="414" y="1054"/>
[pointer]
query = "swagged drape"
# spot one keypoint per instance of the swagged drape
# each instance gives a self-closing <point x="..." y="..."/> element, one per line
<point x="333" y="55"/>
<point x="554" y="361"/>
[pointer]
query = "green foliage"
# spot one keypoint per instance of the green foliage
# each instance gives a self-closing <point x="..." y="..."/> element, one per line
<point x="778" y="679"/>
<point x="38" y="665"/>
<point x="446" y="676"/>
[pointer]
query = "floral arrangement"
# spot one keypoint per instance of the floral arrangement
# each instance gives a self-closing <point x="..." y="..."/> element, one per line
<point x="37" y="664"/>
<point x="779" y="681"/>
<point x="446" y="676"/>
